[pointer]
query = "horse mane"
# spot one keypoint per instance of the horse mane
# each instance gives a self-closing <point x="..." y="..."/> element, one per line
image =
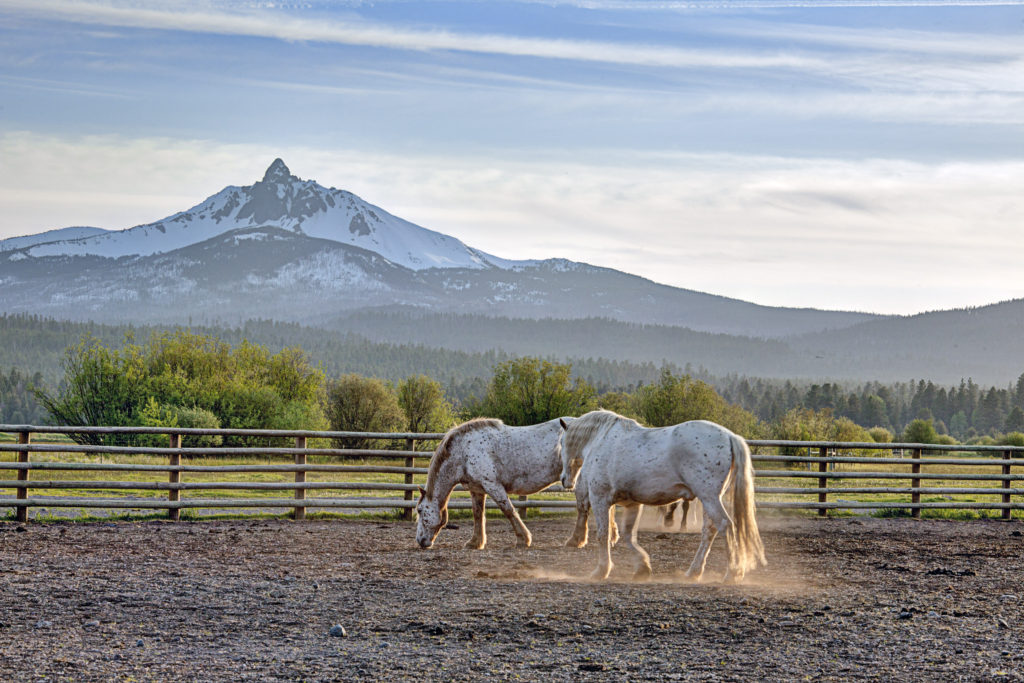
<point x="443" y="450"/>
<point x="589" y="425"/>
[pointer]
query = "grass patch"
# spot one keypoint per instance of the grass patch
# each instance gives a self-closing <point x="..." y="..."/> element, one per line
<point x="952" y="515"/>
<point x="380" y="515"/>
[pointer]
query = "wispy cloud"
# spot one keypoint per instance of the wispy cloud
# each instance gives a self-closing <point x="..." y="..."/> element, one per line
<point x="51" y="85"/>
<point x="292" y="28"/>
<point x="937" y="42"/>
<point x="943" y="62"/>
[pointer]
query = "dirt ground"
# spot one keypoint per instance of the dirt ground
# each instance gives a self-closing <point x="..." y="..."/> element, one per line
<point x="890" y="599"/>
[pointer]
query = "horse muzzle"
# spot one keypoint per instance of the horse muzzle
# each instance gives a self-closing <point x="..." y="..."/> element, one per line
<point x="425" y="543"/>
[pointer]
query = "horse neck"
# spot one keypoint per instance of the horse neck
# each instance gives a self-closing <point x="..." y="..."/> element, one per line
<point x="446" y="477"/>
<point x="595" y="431"/>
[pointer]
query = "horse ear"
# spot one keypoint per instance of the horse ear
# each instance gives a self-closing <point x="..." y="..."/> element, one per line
<point x="422" y="490"/>
<point x="562" y="422"/>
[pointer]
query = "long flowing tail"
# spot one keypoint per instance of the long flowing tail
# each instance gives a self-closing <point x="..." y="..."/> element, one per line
<point x="743" y="536"/>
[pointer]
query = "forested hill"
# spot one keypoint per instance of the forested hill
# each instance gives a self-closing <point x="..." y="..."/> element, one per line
<point x="31" y="350"/>
<point x="944" y="347"/>
<point x="37" y="345"/>
<point x="576" y="338"/>
<point x="986" y="343"/>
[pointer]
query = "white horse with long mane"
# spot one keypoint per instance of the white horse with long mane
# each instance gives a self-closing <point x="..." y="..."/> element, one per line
<point x="490" y="459"/>
<point x="613" y="460"/>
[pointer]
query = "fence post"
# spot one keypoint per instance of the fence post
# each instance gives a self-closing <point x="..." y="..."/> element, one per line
<point x="915" y="484"/>
<point x="174" y="477"/>
<point x="410" y="445"/>
<point x="1007" y="512"/>
<point x="21" y="512"/>
<point x="822" y="481"/>
<point x="300" y="478"/>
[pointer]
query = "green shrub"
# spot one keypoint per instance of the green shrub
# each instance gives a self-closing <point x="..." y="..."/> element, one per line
<point x="527" y="391"/>
<point x="920" y="431"/>
<point x="362" y="404"/>
<point x="182" y="379"/>
<point x="880" y="435"/>
<point x="678" y="399"/>
<point x="1012" y="439"/>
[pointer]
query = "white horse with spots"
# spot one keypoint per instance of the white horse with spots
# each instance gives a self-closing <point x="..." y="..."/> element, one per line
<point x="613" y="460"/>
<point x="490" y="459"/>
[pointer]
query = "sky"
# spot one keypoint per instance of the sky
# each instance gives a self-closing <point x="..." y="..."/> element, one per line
<point x="837" y="154"/>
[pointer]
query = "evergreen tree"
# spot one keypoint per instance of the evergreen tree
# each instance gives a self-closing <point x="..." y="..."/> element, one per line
<point x="1015" y="420"/>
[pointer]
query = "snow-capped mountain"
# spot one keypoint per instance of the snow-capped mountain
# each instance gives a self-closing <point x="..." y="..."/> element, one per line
<point x="284" y="201"/>
<point x="59" y="235"/>
<point x="291" y="249"/>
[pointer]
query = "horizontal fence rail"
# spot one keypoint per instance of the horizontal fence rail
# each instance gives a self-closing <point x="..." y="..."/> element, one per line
<point x="299" y="470"/>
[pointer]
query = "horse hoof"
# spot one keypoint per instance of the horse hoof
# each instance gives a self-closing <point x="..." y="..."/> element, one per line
<point x="642" y="574"/>
<point x="475" y="545"/>
<point x="731" y="578"/>
<point x="600" y="574"/>
<point x="524" y="542"/>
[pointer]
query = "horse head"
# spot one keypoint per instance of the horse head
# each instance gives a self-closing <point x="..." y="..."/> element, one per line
<point x="572" y="458"/>
<point x="431" y="518"/>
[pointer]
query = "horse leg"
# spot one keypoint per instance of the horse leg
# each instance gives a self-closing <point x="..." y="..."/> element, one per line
<point x="500" y="498"/>
<point x="708" y="533"/>
<point x="715" y="519"/>
<point x="613" y="528"/>
<point x="670" y="515"/>
<point x="733" y="572"/>
<point x="604" y="513"/>
<point x="685" y="515"/>
<point x="579" y="534"/>
<point x="631" y="520"/>
<point x="479" y="539"/>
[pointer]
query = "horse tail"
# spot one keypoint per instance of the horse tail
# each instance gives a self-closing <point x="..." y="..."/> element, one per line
<point x="743" y="536"/>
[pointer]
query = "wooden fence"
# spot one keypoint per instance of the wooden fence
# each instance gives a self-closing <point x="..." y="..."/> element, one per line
<point x="790" y="474"/>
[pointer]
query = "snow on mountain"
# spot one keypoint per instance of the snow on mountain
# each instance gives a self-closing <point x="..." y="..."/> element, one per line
<point x="285" y="248"/>
<point x="285" y="201"/>
<point x="58" y="235"/>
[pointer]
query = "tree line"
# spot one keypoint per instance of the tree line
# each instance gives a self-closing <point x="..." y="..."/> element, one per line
<point x="968" y="412"/>
<point x="182" y="379"/>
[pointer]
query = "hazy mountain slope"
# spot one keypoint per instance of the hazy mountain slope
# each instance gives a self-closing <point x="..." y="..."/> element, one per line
<point x="557" y="288"/>
<point x="986" y="351"/>
<point x="583" y="338"/>
<point x="985" y="343"/>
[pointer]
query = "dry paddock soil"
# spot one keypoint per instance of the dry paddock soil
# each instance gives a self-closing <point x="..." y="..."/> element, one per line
<point x="844" y="599"/>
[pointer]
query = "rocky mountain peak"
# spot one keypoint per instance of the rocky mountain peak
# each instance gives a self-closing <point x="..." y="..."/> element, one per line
<point x="277" y="172"/>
